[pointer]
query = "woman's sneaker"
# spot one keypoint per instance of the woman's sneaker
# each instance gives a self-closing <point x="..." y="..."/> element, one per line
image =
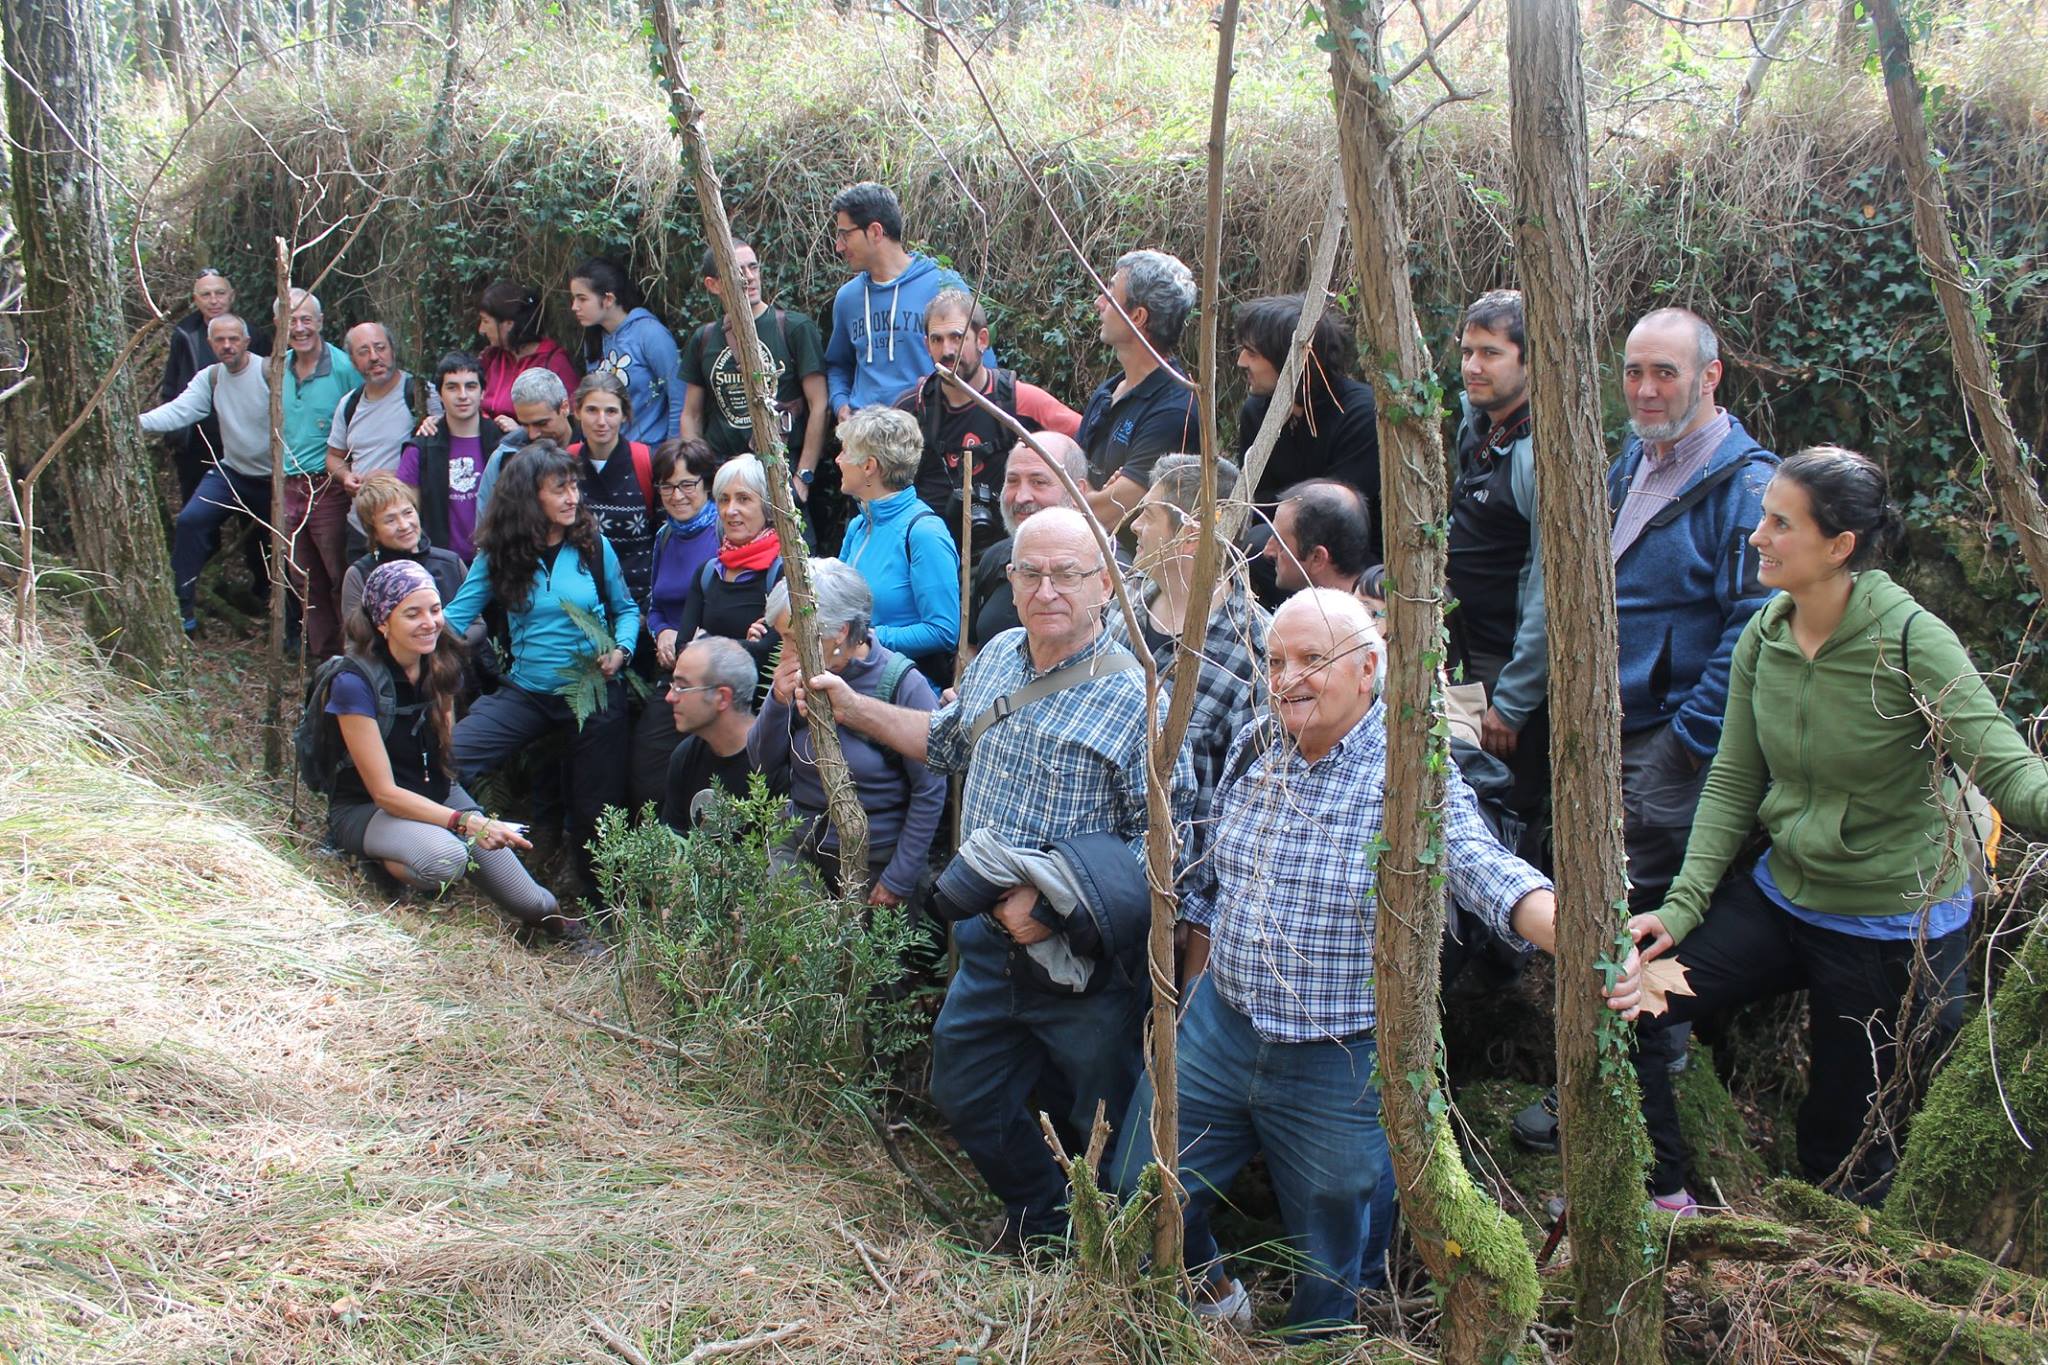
<point x="1232" y="1304"/>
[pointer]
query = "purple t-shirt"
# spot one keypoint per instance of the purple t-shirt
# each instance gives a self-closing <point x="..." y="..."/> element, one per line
<point x="465" y="470"/>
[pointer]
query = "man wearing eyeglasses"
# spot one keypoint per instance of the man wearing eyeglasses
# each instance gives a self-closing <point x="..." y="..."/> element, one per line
<point x="711" y="691"/>
<point x="1061" y="764"/>
<point x="792" y="360"/>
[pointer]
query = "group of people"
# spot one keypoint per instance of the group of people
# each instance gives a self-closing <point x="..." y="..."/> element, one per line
<point x="617" y="524"/>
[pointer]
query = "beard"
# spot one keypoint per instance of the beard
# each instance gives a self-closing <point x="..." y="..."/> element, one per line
<point x="1658" y="433"/>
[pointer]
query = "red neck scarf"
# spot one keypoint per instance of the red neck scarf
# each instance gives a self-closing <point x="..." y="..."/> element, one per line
<point x="757" y="554"/>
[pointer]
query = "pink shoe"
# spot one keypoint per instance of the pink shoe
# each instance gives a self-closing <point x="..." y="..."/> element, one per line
<point x="1679" y="1205"/>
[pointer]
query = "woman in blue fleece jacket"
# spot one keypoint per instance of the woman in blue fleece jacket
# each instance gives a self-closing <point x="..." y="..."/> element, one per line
<point x="538" y="551"/>
<point x="897" y="543"/>
<point x="632" y="343"/>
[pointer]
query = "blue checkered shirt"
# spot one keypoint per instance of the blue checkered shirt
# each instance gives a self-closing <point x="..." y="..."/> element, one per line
<point x="1071" y="763"/>
<point x="1293" y="914"/>
<point x="1230" y="689"/>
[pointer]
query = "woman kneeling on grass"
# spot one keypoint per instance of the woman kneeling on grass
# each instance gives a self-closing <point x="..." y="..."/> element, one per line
<point x="393" y="799"/>
<point x="1854" y="716"/>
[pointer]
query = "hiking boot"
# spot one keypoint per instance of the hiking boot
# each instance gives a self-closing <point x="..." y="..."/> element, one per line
<point x="1535" y="1128"/>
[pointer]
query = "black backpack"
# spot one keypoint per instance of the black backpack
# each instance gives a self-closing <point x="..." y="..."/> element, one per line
<point x="317" y="737"/>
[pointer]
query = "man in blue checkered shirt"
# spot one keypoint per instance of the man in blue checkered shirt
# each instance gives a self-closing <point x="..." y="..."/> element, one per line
<point x="1276" y="1043"/>
<point x="1067" y="764"/>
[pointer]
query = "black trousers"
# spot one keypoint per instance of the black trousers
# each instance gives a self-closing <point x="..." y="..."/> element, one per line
<point x="504" y="723"/>
<point x="1859" y="989"/>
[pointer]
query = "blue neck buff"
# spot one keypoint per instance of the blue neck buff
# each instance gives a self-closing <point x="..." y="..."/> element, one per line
<point x="706" y="518"/>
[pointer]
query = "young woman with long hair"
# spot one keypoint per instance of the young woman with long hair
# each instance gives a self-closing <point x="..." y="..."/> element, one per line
<point x="511" y="320"/>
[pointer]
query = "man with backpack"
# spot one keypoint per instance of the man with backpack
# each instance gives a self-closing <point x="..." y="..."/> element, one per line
<point x="792" y="362"/>
<point x="959" y="434"/>
<point x="371" y="426"/>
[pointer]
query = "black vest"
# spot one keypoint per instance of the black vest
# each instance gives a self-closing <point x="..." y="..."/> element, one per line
<point x="949" y="434"/>
<point x="1489" y="542"/>
<point x="434" y="484"/>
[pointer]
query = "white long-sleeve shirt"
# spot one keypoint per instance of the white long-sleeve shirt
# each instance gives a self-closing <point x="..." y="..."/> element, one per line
<point x="241" y="402"/>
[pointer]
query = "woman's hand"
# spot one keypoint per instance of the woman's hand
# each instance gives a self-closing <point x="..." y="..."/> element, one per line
<point x="665" y="649"/>
<point x="490" y="834"/>
<point x="788" y="673"/>
<point x="758" y="631"/>
<point x="1653" y="940"/>
<point x="429" y="424"/>
<point x="613" y="662"/>
<point x="506" y="422"/>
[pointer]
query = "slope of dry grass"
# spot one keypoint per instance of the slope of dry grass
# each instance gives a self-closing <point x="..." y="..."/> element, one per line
<point x="245" y="1118"/>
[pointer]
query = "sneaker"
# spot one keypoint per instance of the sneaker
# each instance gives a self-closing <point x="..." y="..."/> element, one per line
<point x="1231" y="1305"/>
<point x="1535" y="1128"/>
<point x="1679" y="1205"/>
<point x="191" y="625"/>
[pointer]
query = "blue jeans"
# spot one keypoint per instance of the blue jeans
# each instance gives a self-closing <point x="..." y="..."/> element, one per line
<point x="221" y="494"/>
<point x="1312" y="1108"/>
<point x="999" y="1038"/>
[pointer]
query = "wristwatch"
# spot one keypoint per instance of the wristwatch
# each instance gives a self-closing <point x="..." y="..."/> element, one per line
<point x="806" y="477"/>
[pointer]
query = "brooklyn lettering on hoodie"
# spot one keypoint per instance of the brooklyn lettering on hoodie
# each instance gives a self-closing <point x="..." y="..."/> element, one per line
<point x="877" y="350"/>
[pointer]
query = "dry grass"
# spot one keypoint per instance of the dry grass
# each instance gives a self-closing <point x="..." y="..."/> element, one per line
<point x="244" y="1119"/>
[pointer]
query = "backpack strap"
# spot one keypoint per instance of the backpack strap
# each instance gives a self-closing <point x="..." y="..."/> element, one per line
<point x="1259" y="738"/>
<point x="893" y="674"/>
<point x="643" y="470"/>
<point x="350" y="404"/>
<point x="1116" y="659"/>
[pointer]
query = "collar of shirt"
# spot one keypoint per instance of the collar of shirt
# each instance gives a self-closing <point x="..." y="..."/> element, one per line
<point x="1694" y="448"/>
<point x="1095" y="646"/>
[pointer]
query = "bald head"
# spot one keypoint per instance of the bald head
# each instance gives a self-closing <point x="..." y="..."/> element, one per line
<point x="1340" y="613"/>
<point x="1059" y="582"/>
<point x="1058" y="531"/>
<point x="1323" y="658"/>
<point x="1030" y="486"/>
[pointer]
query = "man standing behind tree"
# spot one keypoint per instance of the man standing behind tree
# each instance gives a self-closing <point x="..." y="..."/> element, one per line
<point x="1495" y="566"/>
<point x="317" y="377"/>
<point x="792" y="359"/>
<point x="371" y="426"/>
<point x="877" y="348"/>
<point x="1144" y="411"/>
<point x="1322" y="537"/>
<point x="1029" y="487"/>
<point x="958" y="432"/>
<point x="232" y="394"/>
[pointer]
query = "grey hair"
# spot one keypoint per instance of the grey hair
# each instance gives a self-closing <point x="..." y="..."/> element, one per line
<point x="235" y="318"/>
<point x="1071" y="456"/>
<point x="1164" y="287"/>
<point x="539" y="385"/>
<point x="891" y="438"/>
<point x="1705" y="341"/>
<point x="300" y="296"/>
<point x="843" y="596"/>
<point x="727" y="664"/>
<point x="744" y="469"/>
<point x="1178" y="480"/>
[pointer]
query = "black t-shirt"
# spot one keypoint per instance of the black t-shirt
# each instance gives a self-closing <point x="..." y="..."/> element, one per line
<point x="723" y="608"/>
<point x="995" y="605"/>
<point x="1128" y="435"/>
<point x="1336" y="438"/>
<point x="792" y="349"/>
<point x="412" y="747"/>
<point x="692" y="769"/>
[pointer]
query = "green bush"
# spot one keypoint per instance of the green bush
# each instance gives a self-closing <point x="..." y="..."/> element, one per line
<point x="787" y="994"/>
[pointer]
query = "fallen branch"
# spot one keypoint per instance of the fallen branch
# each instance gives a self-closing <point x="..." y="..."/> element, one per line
<point x="733" y="1348"/>
<point x="626" y="1035"/>
<point x="867" y="1259"/>
<point x="934" y="1203"/>
<point x="628" y="1352"/>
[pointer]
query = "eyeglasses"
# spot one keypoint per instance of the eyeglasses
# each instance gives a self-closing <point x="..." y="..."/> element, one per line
<point x="675" y="691"/>
<point x="1028" y="577"/>
<point x="681" y="486"/>
<point x="840" y="234"/>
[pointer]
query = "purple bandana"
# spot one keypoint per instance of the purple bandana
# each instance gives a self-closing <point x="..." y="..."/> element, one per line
<point x="391" y="583"/>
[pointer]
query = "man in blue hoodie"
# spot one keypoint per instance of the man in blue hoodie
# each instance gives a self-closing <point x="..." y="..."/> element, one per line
<point x="877" y="348"/>
<point x="1686" y="493"/>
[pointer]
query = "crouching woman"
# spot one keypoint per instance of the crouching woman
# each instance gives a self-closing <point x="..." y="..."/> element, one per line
<point x="393" y="800"/>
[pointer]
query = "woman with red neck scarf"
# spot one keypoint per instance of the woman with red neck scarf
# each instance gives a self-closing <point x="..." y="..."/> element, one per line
<point x="732" y="590"/>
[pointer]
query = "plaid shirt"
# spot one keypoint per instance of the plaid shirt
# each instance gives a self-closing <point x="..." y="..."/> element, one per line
<point x="1230" y="689"/>
<point x="1293" y="915"/>
<point x="1071" y="763"/>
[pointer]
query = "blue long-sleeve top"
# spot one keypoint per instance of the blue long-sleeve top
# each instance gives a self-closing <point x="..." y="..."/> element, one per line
<point x="544" y="640"/>
<point x="904" y="800"/>
<point x="679" y="557"/>
<point x="902" y="548"/>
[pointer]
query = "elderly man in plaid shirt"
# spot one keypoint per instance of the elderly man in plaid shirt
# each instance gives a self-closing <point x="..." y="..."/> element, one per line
<point x="1276" y="1044"/>
<point x="1070" y="762"/>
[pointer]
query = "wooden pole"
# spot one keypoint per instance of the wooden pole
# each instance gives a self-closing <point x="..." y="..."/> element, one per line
<point x="281" y="541"/>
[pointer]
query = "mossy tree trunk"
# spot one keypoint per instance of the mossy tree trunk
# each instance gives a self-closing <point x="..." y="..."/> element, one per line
<point x="1975" y="1168"/>
<point x="1469" y="1245"/>
<point x="1618" y="1314"/>
<point x="71" y="318"/>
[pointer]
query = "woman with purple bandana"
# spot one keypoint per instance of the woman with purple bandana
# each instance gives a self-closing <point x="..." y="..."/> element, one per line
<point x="393" y="800"/>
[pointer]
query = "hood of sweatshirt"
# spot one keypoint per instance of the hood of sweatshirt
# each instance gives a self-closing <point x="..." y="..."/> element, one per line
<point x="885" y="327"/>
<point x="636" y="325"/>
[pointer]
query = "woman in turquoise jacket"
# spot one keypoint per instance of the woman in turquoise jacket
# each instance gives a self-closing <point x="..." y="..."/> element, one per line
<point x="1854" y="718"/>
<point x="538" y="553"/>
<point x="899" y="545"/>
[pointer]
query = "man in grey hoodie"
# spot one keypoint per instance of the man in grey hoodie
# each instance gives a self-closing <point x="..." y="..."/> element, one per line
<point x="877" y="348"/>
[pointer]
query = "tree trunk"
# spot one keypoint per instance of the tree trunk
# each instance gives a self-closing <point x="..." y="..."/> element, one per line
<point x="1848" y="35"/>
<point x="841" y="800"/>
<point x="147" y="36"/>
<point x="281" y="536"/>
<point x="928" y="53"/>
<point x="1766" y="56"/>
<point x="2015" y="477"/>
<point x="71" y="315"/>
<point x="1469" y="1246"/>
<point x="184" y="72"/>
<point x="1975" y="1168"/>
<point x="1618" y="1309"/>
<point x="444" y="101"/>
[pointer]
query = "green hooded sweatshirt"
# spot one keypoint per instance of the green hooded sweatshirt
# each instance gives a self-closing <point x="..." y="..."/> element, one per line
<point x="1832" y="755"/>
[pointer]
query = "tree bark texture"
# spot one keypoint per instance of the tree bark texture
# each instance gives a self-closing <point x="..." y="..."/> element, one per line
<point x="841" y="800"/>
<point x="71" y="318"/>
<point x="1471" y="1248"/>
<point x="281" y="536"/>
<point x="1618" y="1308"/>
<point x="1963" y="309"/>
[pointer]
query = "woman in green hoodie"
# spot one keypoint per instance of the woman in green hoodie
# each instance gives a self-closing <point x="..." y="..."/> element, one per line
<point x="1854" y="716"/>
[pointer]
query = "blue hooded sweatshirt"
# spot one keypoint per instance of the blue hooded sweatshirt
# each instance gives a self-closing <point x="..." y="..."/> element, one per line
<point x="643" y="353"/>
<point x="1685" y="589"/>
<point x="877" y="353"/>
